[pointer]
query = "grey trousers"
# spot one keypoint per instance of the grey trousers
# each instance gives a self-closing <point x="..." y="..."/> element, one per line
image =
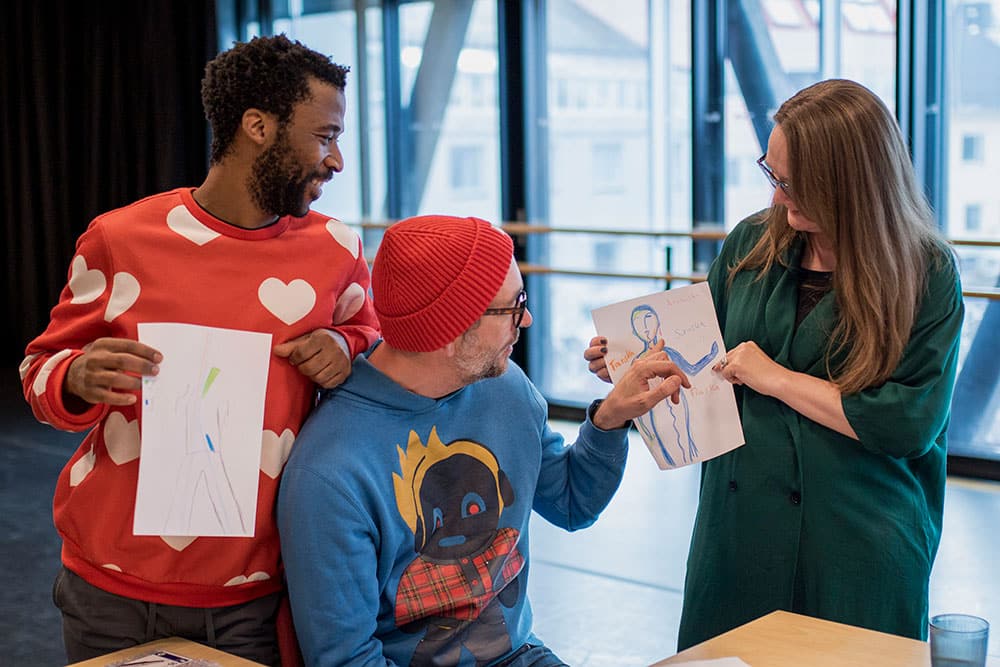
<point x="96" y="622"/>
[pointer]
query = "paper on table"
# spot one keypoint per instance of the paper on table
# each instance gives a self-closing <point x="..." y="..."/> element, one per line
<point x="706" y="423"/>
<point x="202" y="420"/>
<point x="715" y="662"/>
<point x="157" y="659"/>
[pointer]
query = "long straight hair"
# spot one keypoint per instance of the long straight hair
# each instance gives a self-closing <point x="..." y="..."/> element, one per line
<point x="851" y="174"/>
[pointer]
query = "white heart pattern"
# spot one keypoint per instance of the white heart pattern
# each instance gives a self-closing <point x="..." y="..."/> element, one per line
<point x="86" y="285"/>
<point x="345" y="236"/>
<point x="82" y="468"/>
<point x="349" y="303"/>
<point x="289" y="303"/>
<point x="121" y="437"/>
<point x="42" y="379"/>
<point x="241" y="579"/>
<point x="112" y="566"/>
<point x="178" y="542"/>
<point x="124" y="292"/>
<point x="22" y="370"/>
<point x="180" y="220"/>
<point x="274" y="451"/>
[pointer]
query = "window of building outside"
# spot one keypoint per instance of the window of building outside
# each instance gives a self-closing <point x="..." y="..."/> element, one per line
<point x="606" y="167"/>
<point x="605" y="255"/>
<point x="972" y="148"/>
<point x="466" y="166"/>
<point x="973" y="217"/>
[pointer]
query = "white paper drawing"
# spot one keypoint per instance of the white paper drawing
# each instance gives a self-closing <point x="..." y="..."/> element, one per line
<point x="682" y="321"/>
<point x="202" y="418"/>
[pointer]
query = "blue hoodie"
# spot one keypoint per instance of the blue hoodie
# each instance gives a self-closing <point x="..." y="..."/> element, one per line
<point x="404" y="519"/>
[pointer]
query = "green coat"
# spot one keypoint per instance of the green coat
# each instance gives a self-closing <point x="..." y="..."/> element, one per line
<point x="802" y="518"/>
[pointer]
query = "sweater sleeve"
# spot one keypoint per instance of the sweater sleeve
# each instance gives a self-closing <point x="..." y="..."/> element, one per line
<point x="576" y="482"/>
<point x="357" y="325"/>
<point x="329" y="550"/>
<point x="77" y="319"/>
<point x="905" y="416"/>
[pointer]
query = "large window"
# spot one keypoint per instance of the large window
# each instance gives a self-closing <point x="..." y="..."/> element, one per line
<point x="972" y="213"/>
<point x="628" y="125"/>
<point x="422" y="130"/>
<point x="614" y="133"/>
<point x="335" y="33"/>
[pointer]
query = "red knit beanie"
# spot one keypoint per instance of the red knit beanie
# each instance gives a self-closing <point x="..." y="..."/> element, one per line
<point x="435" y="275"/>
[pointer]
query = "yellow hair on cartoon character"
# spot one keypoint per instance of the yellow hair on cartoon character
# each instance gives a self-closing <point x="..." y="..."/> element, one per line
<point x="418" y="459"/>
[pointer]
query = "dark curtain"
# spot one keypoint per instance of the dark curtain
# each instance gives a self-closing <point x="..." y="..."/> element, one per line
<point x="101" y="106"/>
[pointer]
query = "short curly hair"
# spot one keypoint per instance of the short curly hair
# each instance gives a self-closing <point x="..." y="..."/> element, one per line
<point x="267" y="73"/>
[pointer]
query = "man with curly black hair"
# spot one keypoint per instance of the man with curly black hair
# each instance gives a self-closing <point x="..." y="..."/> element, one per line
<point x="241" y="251"/>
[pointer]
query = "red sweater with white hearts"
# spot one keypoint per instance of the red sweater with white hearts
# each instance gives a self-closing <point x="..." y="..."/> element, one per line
<point x="164" y="259"/>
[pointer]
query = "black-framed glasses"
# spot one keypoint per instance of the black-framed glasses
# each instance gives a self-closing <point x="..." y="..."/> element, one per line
<point x="517" y="310"/>
<point x="771" y="178"/>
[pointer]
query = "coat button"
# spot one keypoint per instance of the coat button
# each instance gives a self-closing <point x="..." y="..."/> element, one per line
<point x="732" y="485"/>
<point x="796" y="497"/>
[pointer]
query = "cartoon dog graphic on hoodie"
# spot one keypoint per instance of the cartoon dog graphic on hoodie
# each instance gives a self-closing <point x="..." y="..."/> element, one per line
<point x="452" y="497"/>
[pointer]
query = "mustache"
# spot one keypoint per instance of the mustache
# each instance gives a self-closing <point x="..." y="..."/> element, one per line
<point x="325" y="176"/>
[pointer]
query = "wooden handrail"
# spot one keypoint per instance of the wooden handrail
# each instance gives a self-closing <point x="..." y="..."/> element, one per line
<point x="713" y="233"/>
<point x="538" y="269"/>
<point x="708" y="233"/>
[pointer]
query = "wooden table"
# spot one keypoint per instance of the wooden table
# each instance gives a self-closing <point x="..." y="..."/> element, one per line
<point x="183" y="647"/>
<point x="783" y="639"/>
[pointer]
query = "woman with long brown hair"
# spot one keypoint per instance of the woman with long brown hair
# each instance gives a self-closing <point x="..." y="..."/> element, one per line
<point x="841" y="310"/>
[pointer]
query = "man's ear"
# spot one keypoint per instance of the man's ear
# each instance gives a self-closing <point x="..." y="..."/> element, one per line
<point x="256" y="125"/>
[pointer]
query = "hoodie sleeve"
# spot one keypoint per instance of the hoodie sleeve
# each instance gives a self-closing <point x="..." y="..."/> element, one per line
<point x="576" y="482"/>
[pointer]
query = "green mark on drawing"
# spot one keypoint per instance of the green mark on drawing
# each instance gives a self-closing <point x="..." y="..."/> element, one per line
<point x="212" y="374"/>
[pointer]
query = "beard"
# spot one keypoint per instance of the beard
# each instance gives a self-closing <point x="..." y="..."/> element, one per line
<point x="277" y="183"/>
<point x="478" y="363"/>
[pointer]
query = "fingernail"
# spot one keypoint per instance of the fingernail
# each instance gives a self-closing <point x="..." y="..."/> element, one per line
<point x="604" y="350"/>
<point x="154" y="370"/>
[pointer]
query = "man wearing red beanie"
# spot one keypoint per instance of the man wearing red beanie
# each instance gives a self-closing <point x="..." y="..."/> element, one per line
<point x="404" y="507"/>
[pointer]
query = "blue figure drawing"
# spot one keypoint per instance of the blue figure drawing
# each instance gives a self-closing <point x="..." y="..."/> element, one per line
<point x="646" y="327"/>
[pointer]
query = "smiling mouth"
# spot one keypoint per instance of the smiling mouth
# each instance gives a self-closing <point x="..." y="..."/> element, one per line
<point x="317" y="183"/>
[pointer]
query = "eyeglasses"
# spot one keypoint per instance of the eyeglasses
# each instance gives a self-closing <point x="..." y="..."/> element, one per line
<point x="517" y="310"/>
<point x="771" y="178"/>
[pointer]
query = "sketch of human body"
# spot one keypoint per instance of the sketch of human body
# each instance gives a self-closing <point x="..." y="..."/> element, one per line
<point x="646" y="327"/>
<point x="203" y="474"/>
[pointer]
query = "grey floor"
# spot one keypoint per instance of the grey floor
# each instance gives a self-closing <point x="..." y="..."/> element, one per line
<point x="608" y="596"/>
